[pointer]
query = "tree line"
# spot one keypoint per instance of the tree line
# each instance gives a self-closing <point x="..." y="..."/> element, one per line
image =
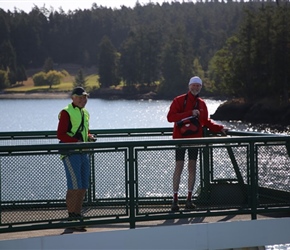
<point x="239" y="49"/>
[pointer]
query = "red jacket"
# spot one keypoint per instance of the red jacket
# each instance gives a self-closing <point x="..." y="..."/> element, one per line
<point x="177" y="112"/>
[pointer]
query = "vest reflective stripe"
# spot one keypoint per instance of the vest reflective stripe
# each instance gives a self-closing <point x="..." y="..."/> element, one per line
<point x="75" y="114"/>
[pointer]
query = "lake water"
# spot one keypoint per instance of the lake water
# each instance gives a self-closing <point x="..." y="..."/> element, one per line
<point x="42" y="114"/>
<point x="38" y="115"/>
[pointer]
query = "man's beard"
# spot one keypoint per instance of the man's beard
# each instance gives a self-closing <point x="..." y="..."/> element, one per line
<point x="194" y="92"/>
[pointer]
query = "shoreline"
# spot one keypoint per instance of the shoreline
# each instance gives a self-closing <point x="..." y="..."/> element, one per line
<point x="55" y="95"/>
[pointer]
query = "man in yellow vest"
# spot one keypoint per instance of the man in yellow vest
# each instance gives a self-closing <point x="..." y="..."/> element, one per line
<point x="73" y="127"/>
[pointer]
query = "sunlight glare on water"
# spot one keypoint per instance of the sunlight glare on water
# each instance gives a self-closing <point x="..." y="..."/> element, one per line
<point x="42" y="115"/>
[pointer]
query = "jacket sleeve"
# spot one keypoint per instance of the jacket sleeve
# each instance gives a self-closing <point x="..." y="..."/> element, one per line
<point x="206" y="121"/>
<point x="62" y="128"/>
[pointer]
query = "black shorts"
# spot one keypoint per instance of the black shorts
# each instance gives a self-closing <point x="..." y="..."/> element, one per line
<point x="180" y="152"/>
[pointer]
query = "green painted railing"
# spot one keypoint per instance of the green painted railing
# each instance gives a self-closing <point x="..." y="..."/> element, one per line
<point x="243" y="173"/>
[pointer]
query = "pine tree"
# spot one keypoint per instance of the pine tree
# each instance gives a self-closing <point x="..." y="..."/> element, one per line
<point x="80" y="80"/>
<point x="108" y="64"/>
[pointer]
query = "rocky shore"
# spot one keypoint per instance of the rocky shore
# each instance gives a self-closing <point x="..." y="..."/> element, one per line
<point x="260" y="112"/>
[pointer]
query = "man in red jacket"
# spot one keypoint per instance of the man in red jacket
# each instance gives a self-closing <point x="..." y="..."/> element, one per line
<point x="189" y="114"/>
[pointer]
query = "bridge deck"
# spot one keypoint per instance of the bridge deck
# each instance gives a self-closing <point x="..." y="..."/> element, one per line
<point x="124" y="226"/>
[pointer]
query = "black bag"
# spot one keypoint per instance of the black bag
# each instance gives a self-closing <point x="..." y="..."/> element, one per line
<point x="189" y="126"/>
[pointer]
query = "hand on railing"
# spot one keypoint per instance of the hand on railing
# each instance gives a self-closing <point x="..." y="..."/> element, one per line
<point x="92" y="138"/>
<point x="224" y="131"/>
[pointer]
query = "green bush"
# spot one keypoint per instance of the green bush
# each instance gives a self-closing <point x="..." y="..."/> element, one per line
<point x="53" y="77"/>
<point x="50" y="78"/>
<point x="39" y="79"/>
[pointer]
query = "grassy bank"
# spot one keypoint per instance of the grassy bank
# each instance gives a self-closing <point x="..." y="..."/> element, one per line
<point x="66" y="85"/>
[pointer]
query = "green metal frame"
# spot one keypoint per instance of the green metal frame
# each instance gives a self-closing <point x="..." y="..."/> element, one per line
<point x="12" y="145"/>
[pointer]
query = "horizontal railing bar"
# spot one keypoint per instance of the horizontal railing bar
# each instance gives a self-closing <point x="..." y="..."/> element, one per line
<point x="160" y="142"/>
<point x="109" y="132"/>
<point x="116" y="132"/>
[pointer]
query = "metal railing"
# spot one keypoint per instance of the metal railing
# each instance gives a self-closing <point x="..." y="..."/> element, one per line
<point x="131" y="177"/>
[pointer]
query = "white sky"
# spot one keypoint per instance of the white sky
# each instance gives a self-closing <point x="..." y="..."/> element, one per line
<point x="27" y="5"/>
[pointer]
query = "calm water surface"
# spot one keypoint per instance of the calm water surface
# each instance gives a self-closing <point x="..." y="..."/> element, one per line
<point x="42" y="114"/>
<point x="38" y="115"/>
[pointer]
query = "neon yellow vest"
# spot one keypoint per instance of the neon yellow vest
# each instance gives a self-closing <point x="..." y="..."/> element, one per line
<point x="75" y="114"/>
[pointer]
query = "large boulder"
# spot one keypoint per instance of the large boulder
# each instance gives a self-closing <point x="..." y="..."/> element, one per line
<point x="262" y="111"/>
<point x="235" y="109"/>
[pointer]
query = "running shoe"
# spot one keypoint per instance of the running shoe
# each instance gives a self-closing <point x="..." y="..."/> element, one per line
<point x="174" y="206"/>
<point x="189" y="205"/>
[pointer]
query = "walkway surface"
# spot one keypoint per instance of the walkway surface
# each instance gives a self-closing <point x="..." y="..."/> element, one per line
<point x="125" y="226"/>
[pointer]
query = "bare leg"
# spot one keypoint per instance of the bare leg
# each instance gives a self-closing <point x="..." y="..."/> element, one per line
<point x="79" y="200"/>
<point x="74" y="200"/>
<point x="71" y="195"/>
<point x="191" y="174"/>
<point x="177" y="174"/>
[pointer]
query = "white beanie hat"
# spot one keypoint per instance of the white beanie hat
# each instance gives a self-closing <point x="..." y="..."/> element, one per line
<point x="195" y="79"/>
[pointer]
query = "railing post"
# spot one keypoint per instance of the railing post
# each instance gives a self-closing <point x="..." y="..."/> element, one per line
<point x="253" y="181"/>
<point x="92" y="190"/>
<point x="205" y="171"/>
<point x="205" y="175"/>
<point x="0" y="193"/>
<point x="131" y="188"/>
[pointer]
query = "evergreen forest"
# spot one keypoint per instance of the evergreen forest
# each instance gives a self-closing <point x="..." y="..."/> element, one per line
<point x="239" y="49"/>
